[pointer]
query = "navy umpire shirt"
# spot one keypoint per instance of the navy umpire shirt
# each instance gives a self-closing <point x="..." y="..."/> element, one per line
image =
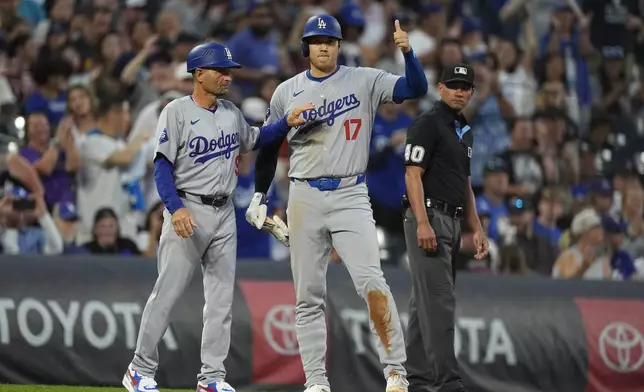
<point x="434" y="143"/>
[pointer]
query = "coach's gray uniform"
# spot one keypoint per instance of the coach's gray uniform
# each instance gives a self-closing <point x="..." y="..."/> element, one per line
<point x="335" y="144"/>
<point x="204" y="148"/>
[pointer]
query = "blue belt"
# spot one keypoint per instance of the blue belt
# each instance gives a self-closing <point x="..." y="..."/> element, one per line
<point x="330" y="183"/>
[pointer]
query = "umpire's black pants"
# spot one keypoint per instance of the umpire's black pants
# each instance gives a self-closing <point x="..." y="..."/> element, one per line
<point x="431" y="361"/>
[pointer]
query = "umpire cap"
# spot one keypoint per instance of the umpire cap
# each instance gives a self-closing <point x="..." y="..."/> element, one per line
<point x="460" y="72"/>
<point x="320" y="25"/>
<point x="210" y="55"/>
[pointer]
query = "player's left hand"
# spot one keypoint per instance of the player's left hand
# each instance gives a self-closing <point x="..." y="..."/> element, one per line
<point x="481" y="244"/>
<point x="400" y="38"/>
<point x="293" y="119"/>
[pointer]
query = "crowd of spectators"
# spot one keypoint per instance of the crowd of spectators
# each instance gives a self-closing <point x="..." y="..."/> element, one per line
<point x="557" y="116"/>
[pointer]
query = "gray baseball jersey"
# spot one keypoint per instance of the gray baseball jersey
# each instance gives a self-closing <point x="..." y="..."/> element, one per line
<point x="204" y="145"/>
<point x="335" y="141"/>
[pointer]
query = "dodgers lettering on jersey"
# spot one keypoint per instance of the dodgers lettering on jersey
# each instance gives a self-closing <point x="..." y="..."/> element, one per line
<point x="204" y="145"/>
<point x="335" y="140"/>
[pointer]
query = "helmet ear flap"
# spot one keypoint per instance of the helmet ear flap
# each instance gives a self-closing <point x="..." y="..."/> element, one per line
<point x="305" y="49"/>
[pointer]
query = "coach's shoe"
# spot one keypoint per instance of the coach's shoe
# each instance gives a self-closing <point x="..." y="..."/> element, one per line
<point x="397" y="383"/>
<point x="217" y="386"/>
<point x="134" y="382"/>
<point x="318" y="388"/>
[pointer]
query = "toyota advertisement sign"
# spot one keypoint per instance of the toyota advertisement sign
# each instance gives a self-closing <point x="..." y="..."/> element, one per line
<point x="75" y="322"/>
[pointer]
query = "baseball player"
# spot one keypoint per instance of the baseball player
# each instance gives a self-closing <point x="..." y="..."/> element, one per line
<point x="328" y="203"/>
<point x="199" y="139"/>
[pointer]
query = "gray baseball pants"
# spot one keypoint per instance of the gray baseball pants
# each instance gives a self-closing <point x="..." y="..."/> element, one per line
<point x="213" y="247"/>
<point x="343" y="219"/>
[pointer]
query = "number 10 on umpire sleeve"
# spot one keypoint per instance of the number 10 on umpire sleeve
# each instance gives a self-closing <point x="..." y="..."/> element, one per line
<point x="414" y="153"/>
<point x="352" y="127"/>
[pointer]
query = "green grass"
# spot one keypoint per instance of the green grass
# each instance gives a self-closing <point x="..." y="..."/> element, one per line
<point x="47" y="388"/>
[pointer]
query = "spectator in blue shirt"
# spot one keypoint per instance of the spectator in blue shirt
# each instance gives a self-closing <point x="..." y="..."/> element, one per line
<point x="386" y="172"/>
<point x="51" y="75"/>
<point x="621" y="263"/>
<point x="550" y="209"/>
<point x="488" y="112"/>
<point x="492" y="200"/>
<point x="601" y="196"/>
<point x="256" y="48"/>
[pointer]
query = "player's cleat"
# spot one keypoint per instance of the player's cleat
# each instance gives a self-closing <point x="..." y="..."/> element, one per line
<point x="318" y="388"/>
<point x="217" y="386"/>
<point x="135" y="382"/>
<point x="397" y="383"/>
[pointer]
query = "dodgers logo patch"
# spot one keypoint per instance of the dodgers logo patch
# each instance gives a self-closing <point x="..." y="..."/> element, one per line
<point x="331" y="109"/>
<point x="206" y="150"/>
<point x="164" y="136"/>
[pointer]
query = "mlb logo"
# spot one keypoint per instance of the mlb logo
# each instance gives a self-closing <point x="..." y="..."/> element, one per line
<point x="228" y="54"/>
<point x="469" y="152"/>
<point x="460" y="70"/>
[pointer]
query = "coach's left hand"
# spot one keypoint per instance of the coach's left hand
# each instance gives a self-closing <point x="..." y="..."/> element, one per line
<point x="482" y="247"/>
<point x="400" y="38"/>
<point x="293" y="119"/>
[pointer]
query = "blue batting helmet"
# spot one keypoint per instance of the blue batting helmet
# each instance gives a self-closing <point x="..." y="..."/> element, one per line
<point x="210" y="55"/>
<point x="317" y="25"/>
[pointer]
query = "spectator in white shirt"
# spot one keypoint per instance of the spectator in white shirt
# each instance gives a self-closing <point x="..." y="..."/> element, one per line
<point x="145" y="124"/>
<point x="104" y="155"/>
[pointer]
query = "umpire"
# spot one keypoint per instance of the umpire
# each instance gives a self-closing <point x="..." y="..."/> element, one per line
<point x="438" y="195"/>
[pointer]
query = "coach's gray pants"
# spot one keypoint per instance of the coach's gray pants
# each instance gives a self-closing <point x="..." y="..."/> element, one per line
<point x="213" y="246"/>
<point x="341" y="218"/>
<point x="431" y="361"/>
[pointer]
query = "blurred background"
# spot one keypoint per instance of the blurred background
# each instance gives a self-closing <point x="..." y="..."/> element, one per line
<point x="558" y="116"/>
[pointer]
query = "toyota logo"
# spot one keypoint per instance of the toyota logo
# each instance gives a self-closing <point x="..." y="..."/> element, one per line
<point x="621" y="347"/>
<point x="279" y="329"/>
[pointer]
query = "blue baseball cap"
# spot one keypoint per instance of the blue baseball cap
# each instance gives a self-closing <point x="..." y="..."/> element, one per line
<point x="495" y="165"/>
<point x="613" y="226"/>
<point x="601" y="187"/>
<point x="352" y="15"/>
<point x="67" y="211"/>
<point x="431" y="8"/>
<point x="471" y="26"/>
<point x="19" y="192"/>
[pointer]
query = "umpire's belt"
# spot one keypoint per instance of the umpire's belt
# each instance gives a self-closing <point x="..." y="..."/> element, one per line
<point x="333" y="183"/>
<point x="453" y="211"/>
<point x="215" y="201"/>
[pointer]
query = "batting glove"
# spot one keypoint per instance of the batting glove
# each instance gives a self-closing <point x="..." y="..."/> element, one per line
<point x="256" y="212"/>
<point x="278" y="228"/>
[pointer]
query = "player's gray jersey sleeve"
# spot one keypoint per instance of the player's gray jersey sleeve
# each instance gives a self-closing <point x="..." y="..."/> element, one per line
<point x="382" y="84"/>
<point x="168" y="132"/>
<point x="275" y="110"/>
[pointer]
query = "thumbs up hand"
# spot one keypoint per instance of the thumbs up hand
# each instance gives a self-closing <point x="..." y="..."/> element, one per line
<point x="400" y="38"/>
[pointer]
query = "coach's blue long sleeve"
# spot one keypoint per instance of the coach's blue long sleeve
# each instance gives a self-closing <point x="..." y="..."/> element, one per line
<point x="414" y="83"/>
<point x="270" y="133"/>
<point x="164" y="179"/>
